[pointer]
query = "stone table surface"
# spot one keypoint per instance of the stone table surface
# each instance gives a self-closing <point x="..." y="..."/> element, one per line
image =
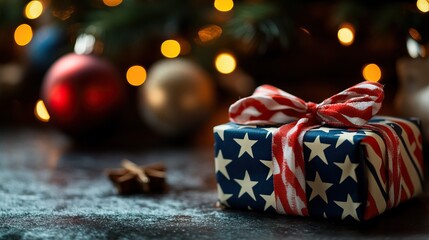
<point x="50" y="190"/>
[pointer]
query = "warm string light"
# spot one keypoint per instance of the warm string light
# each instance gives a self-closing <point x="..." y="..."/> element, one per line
<point x="305" y="30"/>
<point x="209" y="33"/>
<point x="346" y="34"/>
<point x="423" y="5"/>
<point x="136" y="75"/>
<point x="371" y="72"/>
<point x="225" y="63"/>
<point x="33" y="9"/>
<point x="415" y="34"/>
<point x="40" y="112"/>
<point x="112" y="3"/>
<point x="23" y="34"/>
<point x="223" y="5"/>
<point x="170" y="48"/>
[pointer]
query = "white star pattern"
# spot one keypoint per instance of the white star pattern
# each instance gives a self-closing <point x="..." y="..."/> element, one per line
<point x="269" y="131"/>
<point x="270" y="200"/>
<point x="318" y="188"/>
<point x="349" y="207"/>
<point x="345" y="136"/>
<point x="221" y="163"/>
<point x="245" y="145"/>
<point x="269" y="165"/>
<point x="317" y="149"/>
<point x="246" y="185"/>
<point x="338" y="181"/>
<point x="223" y="197"/>
<point x="220" y="130"/>
<point x="348" y="169"/>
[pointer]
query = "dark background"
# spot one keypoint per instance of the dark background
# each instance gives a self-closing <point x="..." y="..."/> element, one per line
<point x="311" y="65"/>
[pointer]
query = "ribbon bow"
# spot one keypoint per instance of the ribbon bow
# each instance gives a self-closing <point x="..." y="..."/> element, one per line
<point x="351" y="108"/>
<point x="269" y="105"/>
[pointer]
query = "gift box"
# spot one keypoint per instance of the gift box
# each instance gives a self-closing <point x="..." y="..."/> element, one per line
<point x="349" y="173"/>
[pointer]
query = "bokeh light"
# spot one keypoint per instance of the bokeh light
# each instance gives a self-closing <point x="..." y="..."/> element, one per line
<point x="305" y="30"/>
<point x="346" y="34"/>
<point x="225" y="63"/>
<point x="223" y="5"/>
<point x="85" y="44"/>
<point x="170" y="48"/>
<point x="112" y="3"/>
<point x="23" y="34"/>
<point x="423" y="5"/>
<point x="33" y="9"/>
<point x="415" y="49"/>
<point x="371" y="72"/>
<point x="40" y="112"/>
<point x="209" y="33"/>
<point x="136" y="75"/>
<point x="415" y="34"/>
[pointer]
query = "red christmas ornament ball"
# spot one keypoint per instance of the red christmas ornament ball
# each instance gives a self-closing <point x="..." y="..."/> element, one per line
<point x="83" y="93"/>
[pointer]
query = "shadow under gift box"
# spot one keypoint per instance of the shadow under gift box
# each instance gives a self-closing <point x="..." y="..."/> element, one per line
<point x="346" y="170"/>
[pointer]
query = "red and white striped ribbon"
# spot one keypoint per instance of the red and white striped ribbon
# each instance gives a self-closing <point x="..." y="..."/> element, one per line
<point x="351" y="108"/>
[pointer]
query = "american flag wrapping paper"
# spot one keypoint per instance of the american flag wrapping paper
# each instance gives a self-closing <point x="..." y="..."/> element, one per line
<point x="348" y="171"/>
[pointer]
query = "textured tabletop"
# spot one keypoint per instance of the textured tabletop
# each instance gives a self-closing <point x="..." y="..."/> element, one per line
<point x="51" y="190"/>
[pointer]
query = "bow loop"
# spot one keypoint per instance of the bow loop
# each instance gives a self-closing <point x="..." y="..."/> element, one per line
<point x="269" y="105"/>
<point x="352" y="107"/>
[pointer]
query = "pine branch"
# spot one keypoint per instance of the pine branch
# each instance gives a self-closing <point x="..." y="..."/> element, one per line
<point x="258" y="25"/>
<point x="135" y="22"/>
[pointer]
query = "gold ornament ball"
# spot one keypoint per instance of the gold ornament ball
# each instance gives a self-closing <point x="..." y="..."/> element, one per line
<point x="176" y="97"/>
